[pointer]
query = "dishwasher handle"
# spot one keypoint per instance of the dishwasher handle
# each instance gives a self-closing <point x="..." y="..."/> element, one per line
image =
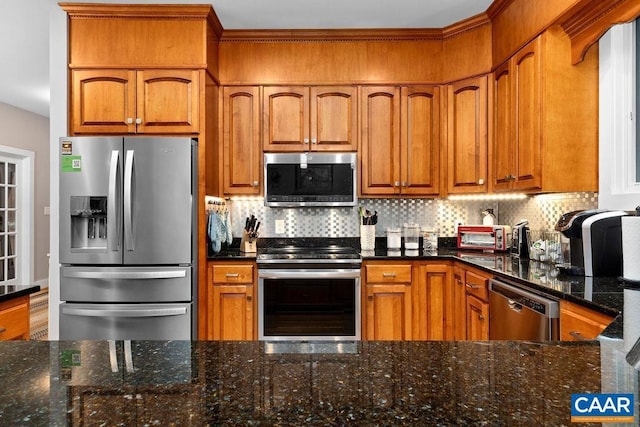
<point x="524" y="298"/>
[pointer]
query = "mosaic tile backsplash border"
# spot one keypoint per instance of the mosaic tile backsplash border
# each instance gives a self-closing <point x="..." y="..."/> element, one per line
<point x="542" y="212"/>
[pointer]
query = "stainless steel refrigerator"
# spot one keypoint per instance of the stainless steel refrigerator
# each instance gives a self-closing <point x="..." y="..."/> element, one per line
<point x="127" y="238"/>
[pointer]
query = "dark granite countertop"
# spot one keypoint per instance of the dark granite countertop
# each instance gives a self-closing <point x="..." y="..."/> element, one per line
<point x="9" y="292"/>
<point x="242" y="383"/>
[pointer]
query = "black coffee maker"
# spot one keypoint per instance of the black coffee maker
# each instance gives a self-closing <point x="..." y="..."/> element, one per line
<point x="595" y="241"/>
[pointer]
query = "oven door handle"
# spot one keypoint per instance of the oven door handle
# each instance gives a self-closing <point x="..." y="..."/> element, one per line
<point x="308" y="274"/>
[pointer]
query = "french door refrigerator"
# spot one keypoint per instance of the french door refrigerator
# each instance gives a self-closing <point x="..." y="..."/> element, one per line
<point x="127" y="246"/>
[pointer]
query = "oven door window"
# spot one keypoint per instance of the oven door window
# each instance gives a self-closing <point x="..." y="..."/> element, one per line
<point x="309" y="307"/>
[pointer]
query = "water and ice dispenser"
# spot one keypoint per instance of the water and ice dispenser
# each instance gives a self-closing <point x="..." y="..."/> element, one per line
<point x="88" y="222"/>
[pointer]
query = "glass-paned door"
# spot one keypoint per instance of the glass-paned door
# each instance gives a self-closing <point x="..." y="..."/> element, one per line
<point x="9" y="220"/>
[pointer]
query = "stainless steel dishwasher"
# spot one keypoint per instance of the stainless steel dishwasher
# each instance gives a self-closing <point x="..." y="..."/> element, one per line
<point x="517" y="314"/>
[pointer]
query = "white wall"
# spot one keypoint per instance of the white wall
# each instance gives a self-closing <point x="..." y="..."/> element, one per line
<point x="29" y="131"/>
<point x="58" y="127"/>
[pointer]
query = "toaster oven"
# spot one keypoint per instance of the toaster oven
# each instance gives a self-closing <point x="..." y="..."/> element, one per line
<point x="484" y="237"/>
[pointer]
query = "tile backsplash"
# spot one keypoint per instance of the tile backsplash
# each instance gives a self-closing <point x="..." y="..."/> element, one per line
<point x="542" y="212"/>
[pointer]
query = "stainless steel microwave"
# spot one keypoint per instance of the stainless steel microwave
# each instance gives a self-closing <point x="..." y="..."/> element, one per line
<point x="310" y="179"/>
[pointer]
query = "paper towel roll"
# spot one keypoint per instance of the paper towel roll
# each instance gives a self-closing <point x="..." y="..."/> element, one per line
<point x="631" y="318"/>
<point x="631" y="247"/>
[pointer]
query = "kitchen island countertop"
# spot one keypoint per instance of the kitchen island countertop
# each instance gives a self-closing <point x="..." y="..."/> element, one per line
<point x="9" y="292"/>
<point x="244" y="383"/>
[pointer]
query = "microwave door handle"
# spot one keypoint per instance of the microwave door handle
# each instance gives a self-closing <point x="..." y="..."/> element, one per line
<point x="128" y="201"/>
<point x="113" y="229"/>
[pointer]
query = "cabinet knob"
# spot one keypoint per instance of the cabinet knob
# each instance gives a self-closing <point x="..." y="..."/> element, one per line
<point x="2" y="329"/>
<point x="138" y="121"/>
<point x="255" y="183"/>
<point x="370" y="297"/>
<point x="509" y="178"/>
<point x="129" y="120"/>
<point x="481" y="181"/>
<point x="480" y="317"/>
<point x="314" y="141"/>
<point x="233" y="275"/>
<point x="396" y="184"/>
<point x="249" y="298"/>
<point x="405" y="184"/>
<point x="306" y="140"/>
<point x="388" y="274"/>
<point x="469" y="285"/>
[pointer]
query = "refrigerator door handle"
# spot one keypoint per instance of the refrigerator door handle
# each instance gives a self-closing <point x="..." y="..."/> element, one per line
<point x="113" y="229"/>
<point x="128" y="357"/>
<point x="143" y="312"/>
<point x="124" y="275"/>
<point x="128" y="201"/>
<point x="113" y="357"/>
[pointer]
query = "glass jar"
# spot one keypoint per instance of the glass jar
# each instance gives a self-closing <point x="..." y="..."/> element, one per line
<point x="411" y="236"/>
<point x="394" y="238"/>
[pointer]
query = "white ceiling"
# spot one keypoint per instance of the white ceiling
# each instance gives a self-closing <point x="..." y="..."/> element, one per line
<point x="24" y="30"/>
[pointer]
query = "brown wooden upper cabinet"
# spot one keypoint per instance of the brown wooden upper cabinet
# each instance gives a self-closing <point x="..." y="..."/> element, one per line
<point x="242" y="153"/>
<point x="317" y="118"/>
<point x="400" y="140"/>
<point x="113" y="101"/>
<point x="467" y="112"/>
<point x="545" y="114"/>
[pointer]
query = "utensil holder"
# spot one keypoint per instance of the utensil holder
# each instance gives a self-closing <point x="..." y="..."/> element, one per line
<point x="247" y="243"/>
<point x="367" y="237"/>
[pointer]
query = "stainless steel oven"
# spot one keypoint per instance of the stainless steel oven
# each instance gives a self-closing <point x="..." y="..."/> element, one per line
<point x="308" y="295"/>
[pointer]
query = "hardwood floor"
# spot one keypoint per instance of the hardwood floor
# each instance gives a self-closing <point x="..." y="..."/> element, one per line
<point x="39" y="308"/>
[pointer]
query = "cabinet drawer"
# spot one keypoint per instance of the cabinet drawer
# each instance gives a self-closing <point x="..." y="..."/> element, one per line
<point x="232" y="273"/>
<point x="388" y="273"/>
<point x="477" y="285"/>
<point x="14" y="319"/>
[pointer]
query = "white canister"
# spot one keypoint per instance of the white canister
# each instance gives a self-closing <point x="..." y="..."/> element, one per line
<point x="394" y="238"/>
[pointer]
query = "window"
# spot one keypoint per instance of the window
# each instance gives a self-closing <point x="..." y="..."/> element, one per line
<point x="16" y="216"/>
<point x="9" y="220"/>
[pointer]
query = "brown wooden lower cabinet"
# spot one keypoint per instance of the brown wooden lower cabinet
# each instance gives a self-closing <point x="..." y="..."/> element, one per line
<point x="232" y="302"/>
<point x="14" y="319"/>
<point x="477" y="319"/>
<point x="387" y="304"/>
<point x="578" y="323"/>
<point x="458" y="306"/>
<point x="430" y="288"/>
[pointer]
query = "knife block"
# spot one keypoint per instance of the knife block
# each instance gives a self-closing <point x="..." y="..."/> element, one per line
<point x="247" y="244"/>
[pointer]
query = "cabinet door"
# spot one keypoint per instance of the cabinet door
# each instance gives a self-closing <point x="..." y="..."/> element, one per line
<point x="458" y="306"/>
<point x="242" y="153"/>
<point x="388" y="309"/>
<point x="420" y="140"/>
<point x="428" y="298"/>
<point x="285" y="124"/>
<point x="579" y="323"/>
<point x="232" y="310"/>
<point x="467" y="136"/>
<point x="103" y="101"/>
<point x="477" y="319"/>
<point x="503" y="153"/>
<point x="380" y="146"/>
<point x="527" y="77"/>
<point x="167" y="101"/>
<point x="334" y="118"/>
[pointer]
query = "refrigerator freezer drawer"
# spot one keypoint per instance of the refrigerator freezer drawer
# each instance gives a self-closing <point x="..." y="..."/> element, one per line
<point x="125" y="321"/>
<point x="125" y="284"/>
